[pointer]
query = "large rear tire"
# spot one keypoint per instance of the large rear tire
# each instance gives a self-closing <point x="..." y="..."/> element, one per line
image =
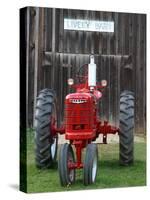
<point x="126" y="136"/>
<point x="45" y="141"/>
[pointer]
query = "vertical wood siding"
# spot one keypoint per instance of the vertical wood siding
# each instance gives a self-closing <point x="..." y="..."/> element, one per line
<point x="120" y="58"/>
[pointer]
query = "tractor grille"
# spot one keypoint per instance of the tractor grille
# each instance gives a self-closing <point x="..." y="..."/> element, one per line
<point x="77" y="116"/>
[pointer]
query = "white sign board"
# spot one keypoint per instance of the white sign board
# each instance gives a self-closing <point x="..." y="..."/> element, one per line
<point x="88" y="25"/>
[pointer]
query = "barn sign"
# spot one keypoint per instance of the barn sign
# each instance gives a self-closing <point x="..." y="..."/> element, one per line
<point x="88" y="25"/>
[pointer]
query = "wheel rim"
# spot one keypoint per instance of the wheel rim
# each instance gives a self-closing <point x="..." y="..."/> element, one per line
<point x="53" y="148"/>
<point x="94" y="168"/>
<point x="71" y="175"/>
<point x="71" y="172"/>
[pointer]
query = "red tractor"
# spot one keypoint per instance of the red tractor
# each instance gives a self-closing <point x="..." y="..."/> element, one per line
<point x="81" y="127"/>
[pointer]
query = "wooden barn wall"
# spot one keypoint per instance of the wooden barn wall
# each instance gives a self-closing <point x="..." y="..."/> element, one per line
<point x="56" y="54"/>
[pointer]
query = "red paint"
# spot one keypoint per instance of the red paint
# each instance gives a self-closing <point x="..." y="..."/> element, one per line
<point x="81" y="121"/>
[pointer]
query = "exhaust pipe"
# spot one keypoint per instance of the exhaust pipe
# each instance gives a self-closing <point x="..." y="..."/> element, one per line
<point x="92" y="73"/>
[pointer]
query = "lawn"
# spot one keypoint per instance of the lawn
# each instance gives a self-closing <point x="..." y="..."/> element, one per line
<point x="109" y="175"/>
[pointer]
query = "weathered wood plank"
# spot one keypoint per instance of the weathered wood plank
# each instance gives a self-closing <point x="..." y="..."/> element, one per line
<point x="61" y="53"/>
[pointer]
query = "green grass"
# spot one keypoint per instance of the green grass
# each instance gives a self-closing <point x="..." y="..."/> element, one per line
<point x="110" y="174"/>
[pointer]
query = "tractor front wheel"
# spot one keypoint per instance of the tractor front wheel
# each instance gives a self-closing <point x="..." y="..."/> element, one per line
<point x="66" y="159"/>
<point x="90" y="164"/>
<point x="126" y="135"/>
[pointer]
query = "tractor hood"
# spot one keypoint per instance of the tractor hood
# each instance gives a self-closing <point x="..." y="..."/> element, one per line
<point x="79" y="97"/>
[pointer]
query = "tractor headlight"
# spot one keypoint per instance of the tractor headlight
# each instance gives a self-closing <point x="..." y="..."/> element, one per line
<point x="70" y="81"/>
<point x="104" y="83"/>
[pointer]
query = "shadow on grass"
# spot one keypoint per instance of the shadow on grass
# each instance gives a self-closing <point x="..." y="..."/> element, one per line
<point x="114" y="164"/>
<point x="112" y="174"/>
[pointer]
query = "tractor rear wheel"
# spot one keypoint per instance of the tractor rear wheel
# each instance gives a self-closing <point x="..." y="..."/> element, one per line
<point x="45" y="119"/>
<point x="126" y="136"/>
<point x="90" y="164"/>
<point x="66" y="158"/>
